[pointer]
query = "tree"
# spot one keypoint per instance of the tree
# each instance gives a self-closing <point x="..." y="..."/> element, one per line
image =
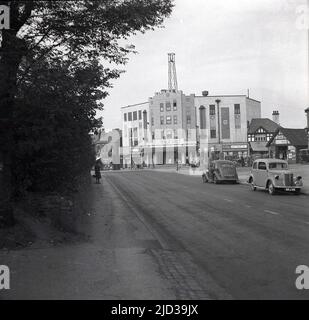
<point x="55" y="111"/>
<point x="73" y="31"/>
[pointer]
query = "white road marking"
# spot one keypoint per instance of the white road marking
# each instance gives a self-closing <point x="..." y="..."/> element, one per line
<point x="271" y="212"/>
<point x="228" y="200"/>
<point x="246" y="205"/>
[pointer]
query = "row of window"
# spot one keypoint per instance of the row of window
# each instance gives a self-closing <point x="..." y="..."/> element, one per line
<point x="168" y="119"/>
<point x="212" y="109"/>
<point x="259" y="137"/>
<point x="132" y="115"/>
<point x="168" y="106"/>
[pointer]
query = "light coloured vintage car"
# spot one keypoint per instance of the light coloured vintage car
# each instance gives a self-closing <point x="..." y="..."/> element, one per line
<point x="274" y="175"/>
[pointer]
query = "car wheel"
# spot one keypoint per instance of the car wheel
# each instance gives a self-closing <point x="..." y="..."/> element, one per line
<point x="253" y="187"/>
<point x="271" y="189"/>
<point x="297" y="191"/>
<point x="216" y="180"/>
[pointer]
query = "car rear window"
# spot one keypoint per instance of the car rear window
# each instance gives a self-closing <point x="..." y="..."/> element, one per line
<point x="278" y="166"/>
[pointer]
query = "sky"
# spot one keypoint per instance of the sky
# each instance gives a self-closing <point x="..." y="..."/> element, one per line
<point x="225" y="47"/>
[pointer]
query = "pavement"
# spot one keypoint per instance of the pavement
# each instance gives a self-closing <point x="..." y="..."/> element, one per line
<point x="163" y="235"/>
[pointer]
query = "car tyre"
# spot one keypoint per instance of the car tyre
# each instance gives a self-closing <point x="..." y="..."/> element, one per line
<point x="297" y="192"/>
<point x="271" y="189"/>
<point x="215" y="180"/>
<point x="253" y="187"/>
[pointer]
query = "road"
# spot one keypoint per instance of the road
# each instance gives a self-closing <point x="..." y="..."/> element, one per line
<point x="157" y="235"/>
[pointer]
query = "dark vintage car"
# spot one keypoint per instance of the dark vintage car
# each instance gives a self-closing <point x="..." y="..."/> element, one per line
<point x="220" y="171"/>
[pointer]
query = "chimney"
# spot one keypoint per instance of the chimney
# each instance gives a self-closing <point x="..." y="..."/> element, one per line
<point x="276" y="116"/>
<point x="307" y="113"/>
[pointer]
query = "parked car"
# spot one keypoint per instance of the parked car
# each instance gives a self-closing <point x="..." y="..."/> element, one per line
<point x="220" y="171"/>
<point x="274" y="175"/>
<point x="304" y="155"/>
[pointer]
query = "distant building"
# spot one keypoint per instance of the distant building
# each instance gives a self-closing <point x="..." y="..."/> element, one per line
<point x="286" y="144"/>
<point x="172" y="127"/>
<point x="225" y="120"/>
<point x="135" y="132"/>
<point x="260" y="131"/>
<point x="108" y="147"/>
<point x="160" y="131"/>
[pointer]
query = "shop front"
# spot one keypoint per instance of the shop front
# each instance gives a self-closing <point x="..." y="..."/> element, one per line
<point x="286" y="144"/>
<point x="235" y="151"/>
<point x="171" y="151"/>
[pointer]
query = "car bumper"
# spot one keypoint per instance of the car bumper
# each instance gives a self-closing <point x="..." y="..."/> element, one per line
<point x="288" y="189"/>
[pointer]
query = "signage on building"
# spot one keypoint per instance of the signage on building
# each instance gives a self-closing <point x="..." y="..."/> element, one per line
<point x="283" y="141"/>
<point x="225" y="123"/>
<point x="235" y="146"/>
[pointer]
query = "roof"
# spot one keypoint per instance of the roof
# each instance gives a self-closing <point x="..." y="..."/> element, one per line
<point x="268" y="160"/>
<point x="227" y="95"/>
<point x="134" y="105"/>
<point x="258" y="146"/>
<point x="297" y="137"/>
<point x="265" y="123"/>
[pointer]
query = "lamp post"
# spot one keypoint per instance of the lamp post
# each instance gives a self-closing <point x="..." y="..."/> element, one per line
<point x="219" y="129"/>
<point x="307" y="128"/>
<point x="131" y="147"/>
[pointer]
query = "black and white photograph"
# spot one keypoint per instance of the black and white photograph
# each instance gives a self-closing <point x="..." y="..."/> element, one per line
<point x="154" y="150"/>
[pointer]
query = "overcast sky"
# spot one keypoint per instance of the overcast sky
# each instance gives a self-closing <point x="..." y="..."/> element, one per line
<point x="224" y="47"/>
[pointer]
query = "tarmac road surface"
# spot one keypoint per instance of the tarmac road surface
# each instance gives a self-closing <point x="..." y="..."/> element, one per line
<point x="157" y="235"/>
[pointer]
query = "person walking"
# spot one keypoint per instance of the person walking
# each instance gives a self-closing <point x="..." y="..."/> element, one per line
<point x="97" y="172"/>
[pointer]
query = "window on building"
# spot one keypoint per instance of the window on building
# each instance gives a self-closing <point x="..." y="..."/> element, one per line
<point x="175" y="119"/>
<point x="174" y="105"/>
<point x="130" y="116"/>
<point x="213" y="133"/>
<point x="139" y="114"/>
<point x="237" y="108"/>
<point x="125" y="117"/>
<point x="153" y="135"/>
<point x="135" y="136"/>
<point x="169" y="134"/>
<point x="168" y="119"/>
<point x="188" y="117"/>
<point x="168" y="106"/>
<point x="175" y="134"/>
<point x="162" y="120"/>
<point x="212" y="110"/>
<point x="161" y="107"/>
<point x="134" y="115"/>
